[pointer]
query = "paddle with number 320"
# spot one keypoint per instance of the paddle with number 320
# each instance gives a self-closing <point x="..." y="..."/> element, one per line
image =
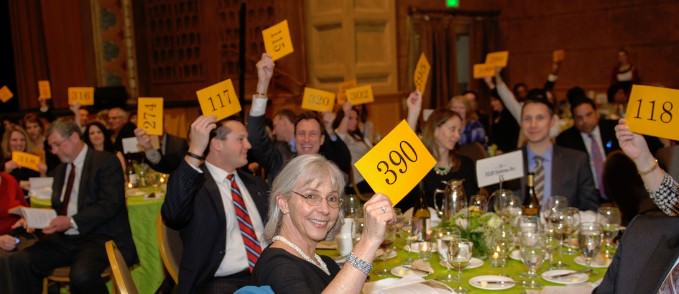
<point x="395" y="165"/>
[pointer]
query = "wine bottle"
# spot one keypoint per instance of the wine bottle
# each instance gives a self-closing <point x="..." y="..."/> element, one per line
<point x="421" y="217"/>
<point x="131" y="175"/>
<point x="531" y="205"/>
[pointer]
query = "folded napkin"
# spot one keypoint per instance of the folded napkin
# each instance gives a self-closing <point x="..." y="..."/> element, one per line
<point x="407" y="284"/>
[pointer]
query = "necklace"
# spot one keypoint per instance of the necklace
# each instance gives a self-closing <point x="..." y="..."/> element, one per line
<point x="442" y="171"/>
<point x="319" y="262"/>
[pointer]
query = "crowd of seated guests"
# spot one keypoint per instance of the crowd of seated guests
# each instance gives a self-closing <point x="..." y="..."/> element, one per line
<point x="308" y="162"/>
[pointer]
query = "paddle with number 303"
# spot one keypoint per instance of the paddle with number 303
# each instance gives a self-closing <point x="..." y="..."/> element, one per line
<point x="398" y="163"/>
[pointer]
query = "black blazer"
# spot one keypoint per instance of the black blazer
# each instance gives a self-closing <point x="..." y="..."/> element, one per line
<point x="571" y="137"/>
<point x="102" y="211"/>
<point x="194" y="207"/>
<point x="175" y="149"/>
<point x="571" y="177"/>
<point x="646" y="253"/>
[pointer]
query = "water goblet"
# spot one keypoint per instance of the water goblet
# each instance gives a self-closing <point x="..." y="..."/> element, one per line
<point x="447" y="246"/>
<point x="571" y="229"/>
<point x="459" y="256"/>
<point x="609" y="219"/>
<point x="532" y="257"/>
<point x="589" y="240"/>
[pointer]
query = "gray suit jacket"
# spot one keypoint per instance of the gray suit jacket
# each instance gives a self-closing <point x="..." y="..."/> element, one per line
<point x="571" y="177"/>
<point x="646" y="253"/>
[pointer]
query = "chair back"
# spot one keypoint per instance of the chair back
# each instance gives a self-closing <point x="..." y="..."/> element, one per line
<point x="171" y="248"/>
<point x="625" y="187"/>
<point x="122" y="278"/>
<point x="474" y="150"/>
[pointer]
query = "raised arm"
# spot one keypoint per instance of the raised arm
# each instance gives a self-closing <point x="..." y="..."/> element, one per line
<point x="414" y="103"/>
<point x="508" y="97"/>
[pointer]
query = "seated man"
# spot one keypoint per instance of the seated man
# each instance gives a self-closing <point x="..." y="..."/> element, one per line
<point x="89" y="197"/>
<point x="646" y="259"/>
<point x="309" y="129"/>
<point x="558" y="170"/>
<point x="167" y="157"/>
<point x="219" y="211"/>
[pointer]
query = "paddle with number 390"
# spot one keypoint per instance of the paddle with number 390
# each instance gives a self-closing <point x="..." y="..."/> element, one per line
<point x="395" y="165"/>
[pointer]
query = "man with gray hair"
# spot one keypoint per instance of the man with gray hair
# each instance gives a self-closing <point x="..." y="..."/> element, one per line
<point x="89" y="198"/>
<point x="219" y="211"/>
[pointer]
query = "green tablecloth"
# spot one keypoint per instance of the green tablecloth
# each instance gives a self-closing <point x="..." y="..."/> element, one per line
<point x="512" y="269"/>
<point x="143" y="214"/>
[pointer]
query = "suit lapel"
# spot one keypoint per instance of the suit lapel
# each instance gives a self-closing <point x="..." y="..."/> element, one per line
<point x="214" y="195"/>
<point x="656" y="269"/>
<point x="257" y="196"/>
<point x="86" y="173"/>
<point x="57" y="185"/>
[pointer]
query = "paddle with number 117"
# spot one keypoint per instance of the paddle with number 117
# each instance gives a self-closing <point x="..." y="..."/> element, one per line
<point x="395" y="165"/>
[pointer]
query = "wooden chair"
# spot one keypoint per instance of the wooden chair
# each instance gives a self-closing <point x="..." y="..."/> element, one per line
<point x="122" y="277"/>
<point x="170" y="248"/>
<point x="475" y="151"/>
<point x="61" y="275"/>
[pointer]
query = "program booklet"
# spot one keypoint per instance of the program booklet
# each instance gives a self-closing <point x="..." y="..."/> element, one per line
<point x="37" y="218"/>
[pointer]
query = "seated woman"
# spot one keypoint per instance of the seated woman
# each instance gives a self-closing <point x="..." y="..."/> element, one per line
<point x="440" y="134"/>
<point x="661" y="187"/>
<point x="16" y="139"/>
<point x="473" y="129"/>
<point x="97" y="137"/>
<point x="346" y="128"/>
<point x="304" y="209"/>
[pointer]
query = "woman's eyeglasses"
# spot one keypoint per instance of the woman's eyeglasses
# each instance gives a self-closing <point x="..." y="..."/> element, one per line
<point x="313" y="199"/>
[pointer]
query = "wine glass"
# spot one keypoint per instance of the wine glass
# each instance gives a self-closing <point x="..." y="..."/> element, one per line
<point x="506" y="204"/>
<point x="459" y="256"/>
<point x="478" y="202"/>
<point x="447" y="246"/>
<point x="572" y="226"/>
<point x="589" y="240"/>
<point x="387" y="248"/>
<point x="532" y="255"/>
<point x="609" y="219"/>
<point x="529" y="223"/>
<point x="554" y="203"/>
<point x="551" y="243"/>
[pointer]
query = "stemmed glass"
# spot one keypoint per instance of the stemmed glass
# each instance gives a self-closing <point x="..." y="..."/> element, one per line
<point x="609" y="219"/>
<point x="532" y="254"/>
<point x="589" y="240"/>
<point x="562" y="223"/>
<point x="554" y="203"/>
<point x="459" y="256"/>
<point x="506" y="204"/>
<point x="572" y="226"/>
<point x="447" y="245"/>
<point x="387" y="248"/>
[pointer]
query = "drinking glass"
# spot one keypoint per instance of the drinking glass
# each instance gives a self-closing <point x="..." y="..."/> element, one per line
<point x="447" y="246"/>
<point x="459" y="255"/>
<point x="554" y="203"/>
<point x="532" y="257"/>
<point x="589" y="240"/>
<point x="506" y="204"/>
<point x="387" y="248"/>
<point x="551" y="243"/>
<point x="572" y="226"/>
<point x="562" y="223"/>
<point x="529" y="223"/>
<point x="609" y="219"/>
<point x="479" y="202"/>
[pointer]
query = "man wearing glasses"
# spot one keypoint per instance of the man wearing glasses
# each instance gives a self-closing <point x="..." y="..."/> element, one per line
<point x="219" y="211"/>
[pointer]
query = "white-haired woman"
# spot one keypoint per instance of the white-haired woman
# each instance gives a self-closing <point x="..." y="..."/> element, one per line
<point x="304" y="209"/>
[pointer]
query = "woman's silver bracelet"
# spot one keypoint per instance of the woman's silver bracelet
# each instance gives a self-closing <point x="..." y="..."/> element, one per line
<point x="359" y="264"/>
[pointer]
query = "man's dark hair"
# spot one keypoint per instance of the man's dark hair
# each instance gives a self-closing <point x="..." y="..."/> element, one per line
<point x="537" y="100"/>
<point x="309" y="115"/>
<point x="221" y="131"/>
<point x="287" y="113"/>
<point x="575" y="93"/>
<point x="579" y="101"/>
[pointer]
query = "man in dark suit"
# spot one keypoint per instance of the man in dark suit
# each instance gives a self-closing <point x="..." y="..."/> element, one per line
<point x="312" y="136"/>
<point x="167" y="156"/>
<point x="89" y="197"/>
<point x="566" y="171"/>
<point x="645" y="257"/>
<point x="201" y="204"/>
<point x="591" y="135"/>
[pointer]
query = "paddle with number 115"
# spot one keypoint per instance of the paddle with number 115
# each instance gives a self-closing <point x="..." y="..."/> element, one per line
<point x="395" y="165"/>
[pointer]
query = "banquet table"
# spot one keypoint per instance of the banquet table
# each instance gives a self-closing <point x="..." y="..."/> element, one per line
<point x="512" y="269"/>
<point x="142" y="212"/>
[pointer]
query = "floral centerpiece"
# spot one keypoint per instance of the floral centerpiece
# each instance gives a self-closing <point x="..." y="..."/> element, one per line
<point x="476" y="226"/>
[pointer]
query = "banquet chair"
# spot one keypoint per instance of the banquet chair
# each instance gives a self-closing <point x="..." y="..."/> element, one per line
<point x="170" y="245"/>
<point x="61" y="275"/>
<point x="122" y="277"/>
<point x="624" y="186"/>
<point x="475" y="151"/>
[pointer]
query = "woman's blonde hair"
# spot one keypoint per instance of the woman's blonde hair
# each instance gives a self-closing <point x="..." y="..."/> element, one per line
<point x="302" y="169"/>
<point x="7" y="153"/>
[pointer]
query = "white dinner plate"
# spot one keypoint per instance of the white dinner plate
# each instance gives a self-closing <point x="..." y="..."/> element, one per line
<point x="569" y="280"/>
<point x="597" y="262"/>
<point x="401" y="271"/>
<point x="134" y="192"/>
<point x="516" y="255"/>
<point x="473" y="263"/>
<point x="492" y="282"/>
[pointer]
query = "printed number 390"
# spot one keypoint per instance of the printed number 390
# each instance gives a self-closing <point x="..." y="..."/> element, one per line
<point x="399" y="160"/>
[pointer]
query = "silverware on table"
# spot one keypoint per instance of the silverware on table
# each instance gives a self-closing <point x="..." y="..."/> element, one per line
<point x="587" y="271"/>
<point x="412" y="268"/>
